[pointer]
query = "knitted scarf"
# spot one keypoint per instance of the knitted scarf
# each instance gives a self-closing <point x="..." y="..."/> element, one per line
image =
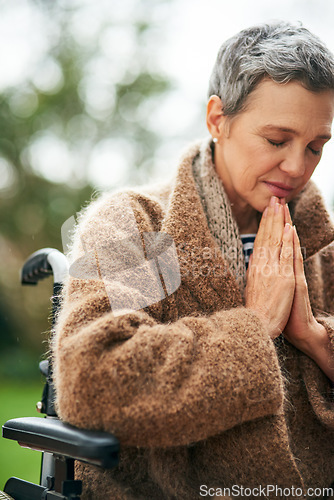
<point x="217" y="208"/>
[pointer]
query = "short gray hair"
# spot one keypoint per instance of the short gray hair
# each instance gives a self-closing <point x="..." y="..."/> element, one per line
<point x="281" y="51"/>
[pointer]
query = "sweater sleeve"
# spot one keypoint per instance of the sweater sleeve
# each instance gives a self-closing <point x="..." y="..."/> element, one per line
<point x="319" y="387"/>
<point x="157" y="384"/>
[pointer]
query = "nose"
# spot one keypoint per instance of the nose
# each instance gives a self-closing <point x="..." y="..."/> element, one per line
<point x="294" y="163"/>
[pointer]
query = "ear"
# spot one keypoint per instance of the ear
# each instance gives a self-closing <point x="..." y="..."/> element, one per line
<point x="215" y="118"/>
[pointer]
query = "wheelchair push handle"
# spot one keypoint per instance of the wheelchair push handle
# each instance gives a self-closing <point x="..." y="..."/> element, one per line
<point x="42" y="264"/>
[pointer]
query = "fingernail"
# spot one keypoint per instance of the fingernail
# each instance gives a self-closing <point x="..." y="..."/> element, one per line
<point x="273" y="200"/>
<point x="287" y="227"/>
<point x="277" y="208"/>
<point x="265" y="212"/>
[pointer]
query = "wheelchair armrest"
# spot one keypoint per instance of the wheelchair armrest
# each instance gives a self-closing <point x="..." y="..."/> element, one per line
<point x="53" y="436"/>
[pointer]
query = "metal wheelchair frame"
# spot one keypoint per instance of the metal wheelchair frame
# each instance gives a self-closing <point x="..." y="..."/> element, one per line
<point x="61" y="444"/>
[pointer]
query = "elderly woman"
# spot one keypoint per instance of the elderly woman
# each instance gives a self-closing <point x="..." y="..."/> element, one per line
<point x="216" y="380"/>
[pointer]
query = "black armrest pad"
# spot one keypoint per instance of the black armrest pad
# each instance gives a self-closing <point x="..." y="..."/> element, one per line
<point x="54" y="436"/>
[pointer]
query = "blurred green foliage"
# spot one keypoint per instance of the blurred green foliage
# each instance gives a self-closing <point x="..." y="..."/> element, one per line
<point x="18" y="399"/>
<point x="91" y="98"/>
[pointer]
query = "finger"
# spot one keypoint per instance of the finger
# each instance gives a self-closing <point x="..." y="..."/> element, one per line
<point x="262" y="226"/>
<point x="263" y="233"/>
<point x="287" y="216"/>
<point x="287" y="252"/>
<point x="276" y="233"/>
<point x="258" y="242"/>
<point x="298" y="256"/>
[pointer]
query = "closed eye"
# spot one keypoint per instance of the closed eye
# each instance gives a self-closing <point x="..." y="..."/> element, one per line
<point x="277" y="144"/>
<point x="316" y="152"/>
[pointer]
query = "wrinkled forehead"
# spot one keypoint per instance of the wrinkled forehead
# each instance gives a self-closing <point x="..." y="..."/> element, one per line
<point x="291" y="102"/>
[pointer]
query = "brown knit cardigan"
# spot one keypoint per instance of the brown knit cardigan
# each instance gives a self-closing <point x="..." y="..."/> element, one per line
<point x="193" y="386"/>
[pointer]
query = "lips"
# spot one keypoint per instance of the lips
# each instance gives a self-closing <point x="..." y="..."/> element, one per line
<point x="279" y="189"/>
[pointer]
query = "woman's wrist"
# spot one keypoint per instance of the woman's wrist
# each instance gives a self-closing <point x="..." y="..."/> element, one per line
<point x="318" y="347"/>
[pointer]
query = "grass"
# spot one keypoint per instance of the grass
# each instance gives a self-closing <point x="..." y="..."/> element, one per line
<point x="18" y="399"/>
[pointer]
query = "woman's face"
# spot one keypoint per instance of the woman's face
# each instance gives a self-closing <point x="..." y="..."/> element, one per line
<point x="273" y="147"/>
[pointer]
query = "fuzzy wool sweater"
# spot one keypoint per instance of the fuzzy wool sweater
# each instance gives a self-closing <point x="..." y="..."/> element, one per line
<point x="191" y="384"/>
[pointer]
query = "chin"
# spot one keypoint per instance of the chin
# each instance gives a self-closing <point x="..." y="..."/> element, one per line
<point x="261" y="205"/>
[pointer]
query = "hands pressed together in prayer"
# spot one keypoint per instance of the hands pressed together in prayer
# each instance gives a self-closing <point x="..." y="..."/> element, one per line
<point x="277" y="289"/>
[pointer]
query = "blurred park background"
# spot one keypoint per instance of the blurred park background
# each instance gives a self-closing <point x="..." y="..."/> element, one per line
<point x="96" y="95"/>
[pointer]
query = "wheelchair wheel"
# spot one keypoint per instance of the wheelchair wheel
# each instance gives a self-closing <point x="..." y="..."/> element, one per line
<point x="4" y="496"/>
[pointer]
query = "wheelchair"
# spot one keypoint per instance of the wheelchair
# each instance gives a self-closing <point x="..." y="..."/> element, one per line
<point x="61" y="444"/>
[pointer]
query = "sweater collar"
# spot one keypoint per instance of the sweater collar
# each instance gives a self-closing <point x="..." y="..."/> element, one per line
<point x="201" y="262"/>
<point x="313" y="222"/>
<point x="202" y="266"/>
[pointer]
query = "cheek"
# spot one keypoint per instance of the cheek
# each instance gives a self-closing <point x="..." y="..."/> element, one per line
<point x="263" y="158"/>
<point x="267" y="162"/>
<point x="248" y="163"/>
<point x="259" y="167"/>
<point x="312" y="167"/>
<point x="308" y="174"/>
